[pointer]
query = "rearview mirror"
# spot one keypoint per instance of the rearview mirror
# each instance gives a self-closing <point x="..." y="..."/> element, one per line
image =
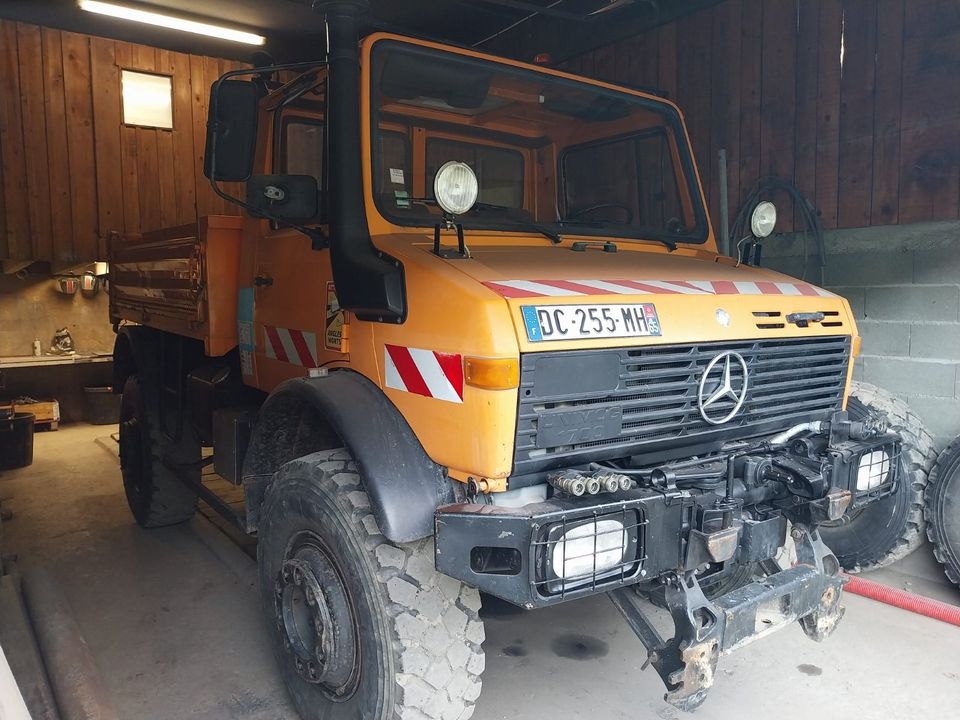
<point x="231" y="130"/>
<point x="284" y="197"/>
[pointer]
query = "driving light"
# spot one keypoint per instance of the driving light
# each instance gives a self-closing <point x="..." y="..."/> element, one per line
<point x="874" y="470"/>
<point x="763" y="220"/>
<point x="589" y="550"/>
<point x="455" y="187"/>
<point x="171" y="22"/>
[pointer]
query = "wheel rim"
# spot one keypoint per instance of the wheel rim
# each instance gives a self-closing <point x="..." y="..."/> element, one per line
<point x="316" y="619"/>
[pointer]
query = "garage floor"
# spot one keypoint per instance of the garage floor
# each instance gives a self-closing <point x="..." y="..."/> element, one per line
<point x="172" y="617"/>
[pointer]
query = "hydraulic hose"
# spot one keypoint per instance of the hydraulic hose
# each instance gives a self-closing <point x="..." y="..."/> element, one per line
<point x="904" y="600"/>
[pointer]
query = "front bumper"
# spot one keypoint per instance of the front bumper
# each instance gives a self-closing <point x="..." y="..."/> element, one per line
<point x="505" y="551"/>
<point x="666" y="532"/>
<point x="665" y="525"/>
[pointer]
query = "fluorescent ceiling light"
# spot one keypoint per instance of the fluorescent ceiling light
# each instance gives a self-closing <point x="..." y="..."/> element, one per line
<point x="173" y="23"/>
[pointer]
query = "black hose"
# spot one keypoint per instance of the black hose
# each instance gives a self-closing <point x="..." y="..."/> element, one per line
<point x="768" y="186"/>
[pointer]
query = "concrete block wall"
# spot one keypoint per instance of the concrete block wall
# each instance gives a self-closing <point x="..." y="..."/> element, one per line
<point x="903" y="284"/>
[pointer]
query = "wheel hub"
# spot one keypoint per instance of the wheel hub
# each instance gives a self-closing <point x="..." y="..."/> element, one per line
<point x="315" y="619"/>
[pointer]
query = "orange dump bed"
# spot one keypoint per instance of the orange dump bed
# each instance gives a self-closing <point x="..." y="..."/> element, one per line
<point x="182" y="280"/>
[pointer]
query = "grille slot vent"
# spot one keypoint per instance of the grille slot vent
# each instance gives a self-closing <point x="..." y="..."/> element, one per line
<point x="651" y="405"/>
<point x="774" y="320"/>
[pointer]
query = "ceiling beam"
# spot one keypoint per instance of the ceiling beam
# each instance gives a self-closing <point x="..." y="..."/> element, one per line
<point x="564" y="41"/>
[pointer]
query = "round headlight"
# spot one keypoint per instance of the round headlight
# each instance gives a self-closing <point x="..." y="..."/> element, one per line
<point x="763" y="220"/>
<point x="455" y="187"/>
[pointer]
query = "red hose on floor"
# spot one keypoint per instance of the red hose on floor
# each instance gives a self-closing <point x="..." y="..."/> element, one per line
<point x="902" y="599"/>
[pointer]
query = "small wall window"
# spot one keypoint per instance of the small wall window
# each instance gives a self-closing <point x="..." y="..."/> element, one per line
<point x="147" y="100"/>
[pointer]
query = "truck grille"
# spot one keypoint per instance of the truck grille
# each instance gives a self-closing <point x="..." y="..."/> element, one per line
<point x="582" y="406"/>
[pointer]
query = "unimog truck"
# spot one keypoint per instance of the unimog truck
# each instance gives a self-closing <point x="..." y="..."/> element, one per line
<point x="472" y="335"/>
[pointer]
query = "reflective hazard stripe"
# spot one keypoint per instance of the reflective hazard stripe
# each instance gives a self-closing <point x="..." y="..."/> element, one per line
<point x="577" y="288"/>
<point x="424" y="372"/>
<point x="297" y="347"/>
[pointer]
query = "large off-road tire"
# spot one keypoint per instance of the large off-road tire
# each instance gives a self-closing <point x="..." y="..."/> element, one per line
<point x="361" y="628"/>
<point x="889" y="529"/>
<point x="942" y="510"/>
<point x="155" y="495"/>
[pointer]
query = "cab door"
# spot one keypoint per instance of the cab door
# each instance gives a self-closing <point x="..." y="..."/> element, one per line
<point x="297" y="320"/>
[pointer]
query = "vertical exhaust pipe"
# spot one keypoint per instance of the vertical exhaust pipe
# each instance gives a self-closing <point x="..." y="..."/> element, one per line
<point x="369" y="282"/>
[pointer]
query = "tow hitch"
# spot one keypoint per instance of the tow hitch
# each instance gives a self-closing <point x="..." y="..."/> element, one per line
<point x="809" y="593"/>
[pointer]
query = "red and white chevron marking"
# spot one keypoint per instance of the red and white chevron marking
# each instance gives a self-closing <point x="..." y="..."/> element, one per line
<point x="574" y="288"/>
<point x="297" y="347"/>
<point x="424" y="372"/>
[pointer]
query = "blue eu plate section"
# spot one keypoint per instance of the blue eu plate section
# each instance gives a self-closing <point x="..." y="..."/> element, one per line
<point x="532" y="324"/>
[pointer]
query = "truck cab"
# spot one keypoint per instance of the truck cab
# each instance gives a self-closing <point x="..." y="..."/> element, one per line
<point x="473" y="333"/>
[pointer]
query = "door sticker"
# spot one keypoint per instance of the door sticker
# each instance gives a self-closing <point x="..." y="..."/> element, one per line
<point x="333" y="337"/>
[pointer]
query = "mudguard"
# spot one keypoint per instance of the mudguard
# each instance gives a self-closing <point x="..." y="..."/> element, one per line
<point x="345" y="409"/>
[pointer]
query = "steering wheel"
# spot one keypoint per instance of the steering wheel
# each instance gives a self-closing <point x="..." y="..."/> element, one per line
<point x="675" y="226"/>
<point x="603" y="206"/>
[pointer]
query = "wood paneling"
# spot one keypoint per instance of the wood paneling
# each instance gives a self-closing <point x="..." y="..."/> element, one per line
<point x="71" y="172"/>
<point x="872" y="139"/>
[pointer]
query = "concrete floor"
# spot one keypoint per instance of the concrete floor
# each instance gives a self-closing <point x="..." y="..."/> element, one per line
<point x="172" y="617"/>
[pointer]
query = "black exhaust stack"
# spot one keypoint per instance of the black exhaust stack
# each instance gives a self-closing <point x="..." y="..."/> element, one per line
<point x="369" y="282"/>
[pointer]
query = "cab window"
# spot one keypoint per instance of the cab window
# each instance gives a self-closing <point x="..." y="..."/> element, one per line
<point x="301" y="148"/>
<point x="396" y="176"/>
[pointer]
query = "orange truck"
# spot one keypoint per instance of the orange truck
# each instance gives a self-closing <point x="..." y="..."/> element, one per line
<point x="471" y="335"/>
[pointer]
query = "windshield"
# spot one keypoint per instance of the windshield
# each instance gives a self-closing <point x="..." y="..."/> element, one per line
<point x="549" y="152"/>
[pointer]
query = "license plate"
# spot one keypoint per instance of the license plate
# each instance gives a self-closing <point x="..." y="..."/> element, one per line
<point x="581" y="322"/>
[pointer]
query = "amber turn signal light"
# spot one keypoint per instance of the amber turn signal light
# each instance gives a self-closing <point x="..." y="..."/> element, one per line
<point x="491" y="373"/>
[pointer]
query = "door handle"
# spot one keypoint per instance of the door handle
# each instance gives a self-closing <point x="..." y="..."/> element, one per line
<point x="262" y="280"/>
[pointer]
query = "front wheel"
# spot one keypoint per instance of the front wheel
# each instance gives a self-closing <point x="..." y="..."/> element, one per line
<point x="361" y="628"/>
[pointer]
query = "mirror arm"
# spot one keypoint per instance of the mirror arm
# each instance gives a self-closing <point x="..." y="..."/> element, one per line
<point x="318" y="239"/>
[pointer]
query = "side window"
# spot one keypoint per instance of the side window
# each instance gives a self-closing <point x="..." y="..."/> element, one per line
<point x="499" y="170"/>
<point x="395" y="177"/>
<point x="301" y="148"/>
<point x="301" y="153"/>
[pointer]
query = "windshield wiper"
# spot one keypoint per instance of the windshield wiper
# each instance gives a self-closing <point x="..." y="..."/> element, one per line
<point x="671" y="245"/>
<point x="525" y="224"/>
<point x="529" y="224"/>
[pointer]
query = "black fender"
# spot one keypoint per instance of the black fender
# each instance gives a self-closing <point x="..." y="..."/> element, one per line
<point x="345" y="409"/>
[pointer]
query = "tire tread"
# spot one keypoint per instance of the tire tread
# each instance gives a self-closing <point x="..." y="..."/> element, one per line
<point x="431" y="613"/>
<point x="948" y="461"/>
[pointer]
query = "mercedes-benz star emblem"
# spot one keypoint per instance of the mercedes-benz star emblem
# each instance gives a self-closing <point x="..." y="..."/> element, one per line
<point x="725" y="378"/>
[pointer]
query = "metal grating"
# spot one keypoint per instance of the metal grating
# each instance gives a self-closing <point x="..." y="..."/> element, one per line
<point x="646" y="399"/>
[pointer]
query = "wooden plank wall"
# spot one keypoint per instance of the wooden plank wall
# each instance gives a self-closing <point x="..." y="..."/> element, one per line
<point x="874" y="141"/>
<point x="70" y="171"/>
